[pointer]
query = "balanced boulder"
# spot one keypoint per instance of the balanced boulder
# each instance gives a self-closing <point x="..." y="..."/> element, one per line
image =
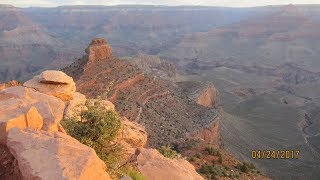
<point x="55" y="83"/>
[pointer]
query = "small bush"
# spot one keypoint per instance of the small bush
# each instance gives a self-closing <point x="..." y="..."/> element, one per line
<point x="166" y="151"/>
<point x="210" y="151"/>
<point x="220" y="159"/>
<point x="97" y="130"/>
<point x="198" y="155"/>
<point x="215" y="171"/>
<point x="246" y="167"/>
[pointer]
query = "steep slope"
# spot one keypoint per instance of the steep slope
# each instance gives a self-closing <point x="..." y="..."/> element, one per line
<point x="161" y="106"/>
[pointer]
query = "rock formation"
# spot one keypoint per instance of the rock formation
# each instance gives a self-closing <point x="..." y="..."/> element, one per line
<point x="75" y="106"/>
<point x="24" y="107"/>
<point x="98" y="50"/>
<point x="208" y="96"/>
<point x="157" y="167"/>
<point x="30" y="128"/>
<point x="43" y="155"/>
<point x="158" y="104"/>
<point x="53" y="83"/>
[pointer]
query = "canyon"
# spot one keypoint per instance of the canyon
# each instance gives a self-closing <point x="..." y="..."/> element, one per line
<point x="240" y="78"/>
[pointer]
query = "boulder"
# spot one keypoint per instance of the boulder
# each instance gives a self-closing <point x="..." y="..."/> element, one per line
<point x="131" y="136"/>
<point x="104" y="103"/>
<point x="51" y="156"/>
<point x="16" y="106"/>
<point x="75" y="106"/>
<point x="17" y="116"/>
<point x="98" y="50"/>
<point x="49" y="83"/>
<point x="155" y="166"/>
<point x="132" y="133"/>
<point x="55" y="77"/>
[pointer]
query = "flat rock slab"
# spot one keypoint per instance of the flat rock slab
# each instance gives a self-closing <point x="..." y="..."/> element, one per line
<point x="51" y="156"/>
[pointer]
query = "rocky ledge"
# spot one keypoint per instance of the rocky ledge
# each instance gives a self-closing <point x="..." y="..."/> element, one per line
<point x="34" y="145"/>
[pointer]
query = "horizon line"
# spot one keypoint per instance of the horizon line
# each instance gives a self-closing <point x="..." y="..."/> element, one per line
<point x="158" y="5"/>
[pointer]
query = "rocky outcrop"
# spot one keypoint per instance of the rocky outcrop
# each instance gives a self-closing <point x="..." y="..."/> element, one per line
<point x="208" y="96"/>
<point x="30" y="128"/>
<point x="104" y="103"/>
<point x="24" y="107"/>
<point x="98" y="50"/>
<point x="68" y="158"/>
<point x="54" y="83"/>
<point x="75" y="106"/>
<point x="209" y="135"/>
<point x="155" y="166"/>
<point x="55" y="77"/>
<point x="131" y="136"/>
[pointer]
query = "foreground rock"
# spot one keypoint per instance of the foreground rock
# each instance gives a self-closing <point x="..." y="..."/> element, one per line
<point x="75" y="106"/>
<point x="43" y="155"/>
<point x="131" y="136"/>
<point x="24" y="107"/>
<point x="155" y="166"/>
<point x="54" y="83"/>
<point x="98" y="50"/>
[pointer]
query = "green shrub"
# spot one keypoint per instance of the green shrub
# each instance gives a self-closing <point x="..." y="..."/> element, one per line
<point x="198" y="155"/>
<point x="135" y="175"/>
<point x="97" y="129"/>
<point x="215" y="171"/>
<point x="220" y="159"/>
<point x="166" y="151"/>
<point x="210" y="151"/>
<point x="246" y="167"/>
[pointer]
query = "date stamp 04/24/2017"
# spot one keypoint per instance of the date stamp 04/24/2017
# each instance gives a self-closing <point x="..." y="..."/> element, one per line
<point x="275" y="154"/>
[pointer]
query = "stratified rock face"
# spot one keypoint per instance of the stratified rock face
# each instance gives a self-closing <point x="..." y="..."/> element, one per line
<point x="54" y="83"/>
<point x="98" y="50"/>
<point x="43" y="155"/>
<point x="208" y="96"/>
<point x="24" y="107"/>
<point x="155" y="166"/>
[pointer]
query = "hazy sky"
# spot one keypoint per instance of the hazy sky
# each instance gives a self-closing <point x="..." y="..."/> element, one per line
<point x="229" y="3"/>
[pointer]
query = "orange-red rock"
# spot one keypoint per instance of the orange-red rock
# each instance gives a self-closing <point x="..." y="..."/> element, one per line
<point x="208" y="96"/>
<point x="98" y="50"/>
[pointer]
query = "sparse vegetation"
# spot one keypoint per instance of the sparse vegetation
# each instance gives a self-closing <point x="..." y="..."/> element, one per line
<point x="168" y="152"/>
<point x="210" y="151"/>
<point x="97" y="129"/>
<point x="246" y="167"/>
<point x="135" y="175"/>
<point x="214" y="171"/>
